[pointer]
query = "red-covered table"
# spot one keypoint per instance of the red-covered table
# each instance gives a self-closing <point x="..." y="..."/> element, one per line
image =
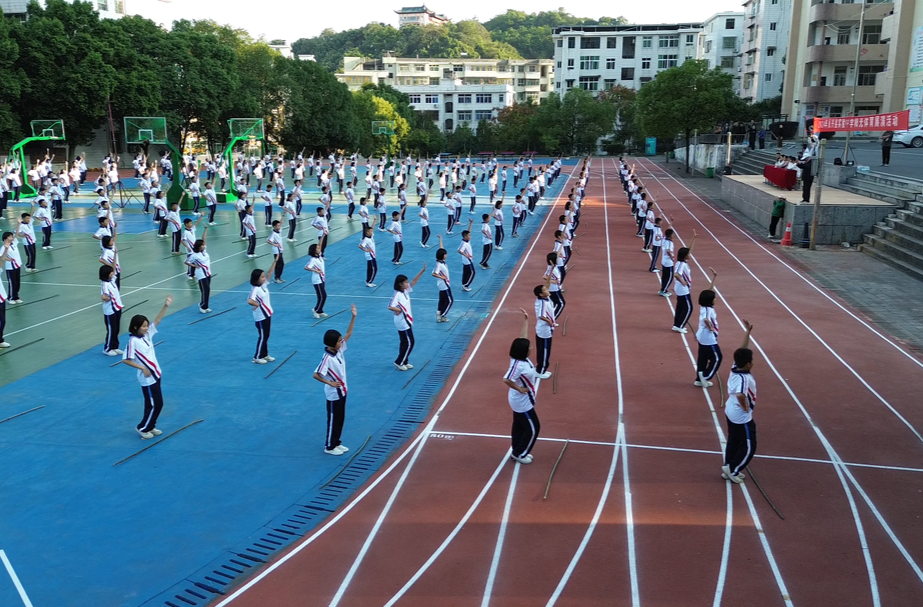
<point x="783" y="178"/>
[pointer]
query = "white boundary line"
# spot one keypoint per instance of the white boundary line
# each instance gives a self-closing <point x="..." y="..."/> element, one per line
<point x="501" y="536"/>
<point x="619" y="445"/>
<point x="15" y="578"/>
<point x="419" y="440"/>
<point x="684" y="450"/>
<point x="797" y="273"/>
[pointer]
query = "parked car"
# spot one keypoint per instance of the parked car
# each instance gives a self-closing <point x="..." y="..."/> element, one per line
<point x="911" y="138"/>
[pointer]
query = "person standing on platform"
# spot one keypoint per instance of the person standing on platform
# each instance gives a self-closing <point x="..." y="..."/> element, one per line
<point x="403" y="317"/>
<point x="886" y="138"/>
<point x="778" y="211"/>
<point x="761" y="136"/>
<point x="522" y="381"/>
<point x="140" y="355"/>
<point x="332" y="373"/>
<point x="806" y="164"/>
<point x="741" y="439"/>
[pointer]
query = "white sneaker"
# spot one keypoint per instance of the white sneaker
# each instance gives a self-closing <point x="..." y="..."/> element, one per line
<point x="666" y="293"/>
<point x="498" y="248"/>
<point x="466" y="288"/>
<point x="708" y="384"/>
<point x="323" y="315"/>
<point x="342" y="448"/>
<point x="400" y="367"/>
<point x="278" y="281"/>
<point x="269" y="359"/>
<point x="370" y="285"/>
<point x="212" y="223"/>
<point x="260" y="361"/>
<point x="655" y="271"/>
<point x="526" y="459"/>
<point x="251" y="256"/>
<point x="144" y="435"/>
<point x="156" y="432"/>
<point x="4" y="344"/>
<point x="203" y="310"/>
<point x="334" y="451"/>
<point x="545" y="375"/>
<point x="679" y="330"/>
<point x="112" y="352"/>
<point x="408" y="365"/>
<point x="316" y="315"/>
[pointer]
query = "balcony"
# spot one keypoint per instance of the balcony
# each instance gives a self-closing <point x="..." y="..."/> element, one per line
<point x="846" y="53"/>
<point x="828" y="11"/>
<point x="837" y="94"/>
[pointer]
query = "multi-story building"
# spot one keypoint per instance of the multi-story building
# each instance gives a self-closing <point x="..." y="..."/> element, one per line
<point x="766" y="33"/>
<point x="419" y="15"/>
<point x="108" y="9"/>
<point x="829" y="58"/>
<point x="900" y="86"/>
<point x="719" y="42"/>
<point x="505" y="80"/>
<point x="596" y="58"/>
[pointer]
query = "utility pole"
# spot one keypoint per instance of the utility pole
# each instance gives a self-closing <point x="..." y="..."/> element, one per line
<point x="855" y="79"/>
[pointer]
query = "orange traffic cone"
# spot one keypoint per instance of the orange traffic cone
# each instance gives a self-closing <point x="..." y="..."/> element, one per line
<point x="787" y="239"/>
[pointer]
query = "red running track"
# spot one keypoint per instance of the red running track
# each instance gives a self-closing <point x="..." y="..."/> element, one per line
<point x="637" y="513"/>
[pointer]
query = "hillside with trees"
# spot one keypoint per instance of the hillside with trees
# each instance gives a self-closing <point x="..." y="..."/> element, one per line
<point x="512" y="35"/>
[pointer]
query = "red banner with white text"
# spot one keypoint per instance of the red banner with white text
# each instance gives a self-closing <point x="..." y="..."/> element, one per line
<point x="895" y="121"/>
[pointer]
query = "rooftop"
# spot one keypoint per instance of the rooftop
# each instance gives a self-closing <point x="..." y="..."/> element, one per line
<point x="663" y="27"/>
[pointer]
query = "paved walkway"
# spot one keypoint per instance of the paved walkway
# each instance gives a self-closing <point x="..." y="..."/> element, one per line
<point x="887" y="296"/>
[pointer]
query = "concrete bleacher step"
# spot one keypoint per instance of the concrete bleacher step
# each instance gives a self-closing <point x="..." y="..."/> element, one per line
<point x="905" y="227"/>
<point x="910" y="185"/>
<point x="894" y="191"/>
<point x="871" y="193"/>
<point x="893" y="255"/>
<point x="899" y="238"/>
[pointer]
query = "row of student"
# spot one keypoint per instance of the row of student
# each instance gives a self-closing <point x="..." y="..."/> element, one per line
<point x="675" y="271"/>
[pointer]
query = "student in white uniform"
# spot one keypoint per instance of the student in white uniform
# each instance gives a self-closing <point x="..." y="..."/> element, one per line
<point x="682" y="285"/>
<point x="741" y="439"/>
<point x="188" y="241"/>
<point x="424" y="222"/>
<point x="332" y="373"/>
<point x="518" y="208"/>
<point x="397" y="233"/>
<point x="249" y="226"/>
<point x="498" y="225"/>
<point x="522" y="381"/>
<point x="403" y="317"/>
<point x="176" y="228"/>
<point x="553" y="276"/>
<point x="3" y="300"/>
<point x="112" y="310"/>
<point x="544" y="325"/>
<point x="656" y="246"/>
<point x="275" y="241"/>
<point x="367" y="246"/>
<point x="441" y="274"/>
<point x="140" y="355"/>
<point x="487" y="241"/>
<point x="266" y="197"/>
<point x="291" y="214"/>
<point x="318" y="270"/>
<point x="464" y="249"/>
<point x="667" y="261"/>
<point x="259" y="300"/>
<point x="12" y="264"/>
<point x="709" y="357"/>
<point x="211" y="203"/>
<point x="201" y="261"/>
<point x="27" y="233"/>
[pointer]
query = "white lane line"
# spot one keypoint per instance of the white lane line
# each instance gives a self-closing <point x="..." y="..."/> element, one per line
<point x="725" y="547"/>
<point x="619" y="446"/>
<point x="9" y="569"/>
<point x="794" y="314"/>
<point x="437" y="434"/>
<point x="501" y="536"/>
<point x="808" y="281"/>
<point x="424" y="434"/>
<point x="841" y="470"/>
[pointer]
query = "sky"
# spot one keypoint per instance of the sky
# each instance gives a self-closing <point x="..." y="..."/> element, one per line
<point x="294" y="19"/>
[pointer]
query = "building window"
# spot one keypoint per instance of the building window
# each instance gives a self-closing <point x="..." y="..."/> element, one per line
<point x="729" y="43"/>
<point x="589" y="62"/>
<point x="871" y="34"/>
<point x="628" y="47"/>
<point x="772" y="26"/>
<point x="690" y="39"/>
<point x="569" y="83"/>
<point x="768" y="77"/>
<point x="560" y="43"/>
<point x="671" y="41"/>
<point x="666" y="61"/>
<point x="611" y="42"/>
<point x="415" y="99"/>
<point x="708" y="46"/>
<point x="571" y="42"/>
<point x="644" y="79"/>
<point x="589" y="83"/>
<point x="434" y="68"/>
<point x="608" y="83"/>
<point x="432" y="99"/>
<point x="570" y="64"/>
<point x="532" y="96"/>
<point x="458" y="68"/>
<point x="729" y="24"/>
<point x="501" y="98"/>
<point x="867" y="74"/>
<point x="589" y="42"/>
<point x="521" y="82"/>
<point x="464" y="115"/>
<point x="647" y="41"/>
<point x="559" y="65"/>
<point x="727" y="62"/>
<point x="464" y="98"/>
<point x="610" y="63"/>
<point x="557" y="85"/>
<point x="836" y="111"/>
<point x="102" y="5"/>
<point x="839" y="76"/>
<point x="434" y="81"/>
<point x="483" y="98"/>
<point x="842" y="34"/>
<point x="532" y="68"/>
<point x="419" y="68"/>
<point x="646" y="63"/>
<point x="770" y="51"/>
<point x="774" y="2"/>
<point x="483" y="114"/>
<point x="628" y="73"/>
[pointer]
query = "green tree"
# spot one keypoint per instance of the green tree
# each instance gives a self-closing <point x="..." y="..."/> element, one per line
<point x="683" y="99"/>
<point x="462" y="140"/>
<point x="13" y="81"/>
<point x="319" y="112"/>
<point x="517" y="129"/>
<point x="369" y="108"/>
<point x="573" y="124"/>
<point x="628" y="129"/>
<point x="531" y="33"/>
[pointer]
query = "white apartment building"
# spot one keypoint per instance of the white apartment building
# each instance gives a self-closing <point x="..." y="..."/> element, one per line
<point x="506" y="81"/>
<point x="720" y="42"/>
<point x="596" y="58"/>
<point x="765" y="41"/>
<point x="108" y="9"/>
